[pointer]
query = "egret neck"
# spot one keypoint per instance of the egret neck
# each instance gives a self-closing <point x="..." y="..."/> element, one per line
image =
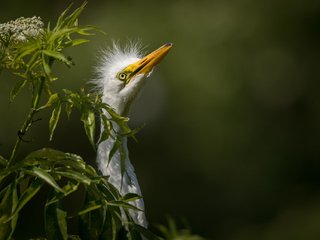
<point x="122" y="75"/>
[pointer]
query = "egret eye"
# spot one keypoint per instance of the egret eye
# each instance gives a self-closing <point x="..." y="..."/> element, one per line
<point x="122" y="76"/>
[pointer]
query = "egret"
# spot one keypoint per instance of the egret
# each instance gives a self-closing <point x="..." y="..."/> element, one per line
<point x="122" y="75"/>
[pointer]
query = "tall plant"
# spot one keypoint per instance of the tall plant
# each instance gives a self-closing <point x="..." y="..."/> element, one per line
<point x="28" y="49"/>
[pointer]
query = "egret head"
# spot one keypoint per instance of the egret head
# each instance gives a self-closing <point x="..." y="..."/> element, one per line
<point x="123" y="73"/>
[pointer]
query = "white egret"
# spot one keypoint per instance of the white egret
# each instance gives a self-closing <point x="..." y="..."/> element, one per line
<point x="122" y="75"/>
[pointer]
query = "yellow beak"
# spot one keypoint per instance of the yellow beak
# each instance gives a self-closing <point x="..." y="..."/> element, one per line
<point x="146" y="64"/>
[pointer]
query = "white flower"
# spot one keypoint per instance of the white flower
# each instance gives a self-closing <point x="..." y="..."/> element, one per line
<point x="21" y="29"/>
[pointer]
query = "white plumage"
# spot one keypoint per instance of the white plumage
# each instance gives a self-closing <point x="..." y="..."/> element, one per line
<point x="122" y="74"/>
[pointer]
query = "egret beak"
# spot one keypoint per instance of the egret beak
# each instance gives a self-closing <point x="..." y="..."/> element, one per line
<point x="146" y="64"/>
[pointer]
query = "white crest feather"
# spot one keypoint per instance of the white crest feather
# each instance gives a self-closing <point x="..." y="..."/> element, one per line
<point x="112" y="59"/>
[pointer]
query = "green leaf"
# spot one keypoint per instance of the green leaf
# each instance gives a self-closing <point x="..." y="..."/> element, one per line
<point x="123" y="156"/>
<point x="74" y="175"/>
<point x="27" y="49"/>
<point x="17" y="88"/>
<point x="68" y="109"/>
<point x="133" y="234"/>
<point x="3" y="191"/>
<point x="34" y="61"/>
<point x="90" y="206"/>
<point x="111" y="227"/>
<point x="145" y="232"/>
<point x="120" y="120"/>
<point x="107" y="127"/>
<point x="38" y="172"/>
<point x="3" y="162"/>
<point x="91" y="217"/>
<point x="71" y="20"/>
<point x="114" y="149"/>
<point x="55" y="222"/>
<point x="52" y="158"/>
<point x="76" y="42"/>
<point x="7" y="205"/>
<point x="109" y="191"/>
<point x="130" y="197"/>
<point x="54" y="119"/>
<point x="69" y="188"/>
<point x="80" y="169"/>
<point x="85" y="31"/>
<point x="53" y="99"/>
<point x="72" y="99"/>
<point x="27" y="195"/>
<point x="46" y="68"/>
<point x="88" y="119"/>
<point x="7" y="171"/>
<point x="49" y="153"/>
<point x="57" y="55"/>
<point x="124" y="205"/>
<point x="62" y="17"/>
<point x="115" y="116"/>
<point x="14" y="204"/>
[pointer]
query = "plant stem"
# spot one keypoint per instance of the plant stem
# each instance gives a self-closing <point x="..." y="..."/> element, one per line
<point x="28" y="122"/>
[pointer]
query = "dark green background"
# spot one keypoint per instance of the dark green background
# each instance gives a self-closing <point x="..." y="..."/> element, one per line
<point x="232" y="135"/>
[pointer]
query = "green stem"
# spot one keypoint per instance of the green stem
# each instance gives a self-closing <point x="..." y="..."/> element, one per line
<point x="28" y="122"/>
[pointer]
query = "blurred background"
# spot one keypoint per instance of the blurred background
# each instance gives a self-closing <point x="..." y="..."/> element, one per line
<point x="232" y="136"/>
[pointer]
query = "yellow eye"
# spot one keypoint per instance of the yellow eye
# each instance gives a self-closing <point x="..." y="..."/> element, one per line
<point x="122" y="76"/>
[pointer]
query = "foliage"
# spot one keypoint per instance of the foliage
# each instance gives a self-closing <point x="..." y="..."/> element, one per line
<point x="29" y="51"/>
<point x="172" y="232"/>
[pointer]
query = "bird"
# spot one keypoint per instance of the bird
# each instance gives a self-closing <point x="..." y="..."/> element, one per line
<point x="122" y="74"/>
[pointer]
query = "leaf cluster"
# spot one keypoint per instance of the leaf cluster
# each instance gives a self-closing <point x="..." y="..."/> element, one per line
<point x="33" y="59"/>
<point x="100" y="215"/>
<point x="21" y="179"/>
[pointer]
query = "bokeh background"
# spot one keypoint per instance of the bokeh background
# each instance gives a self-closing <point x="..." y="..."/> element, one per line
<point x="232" y="136"/>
